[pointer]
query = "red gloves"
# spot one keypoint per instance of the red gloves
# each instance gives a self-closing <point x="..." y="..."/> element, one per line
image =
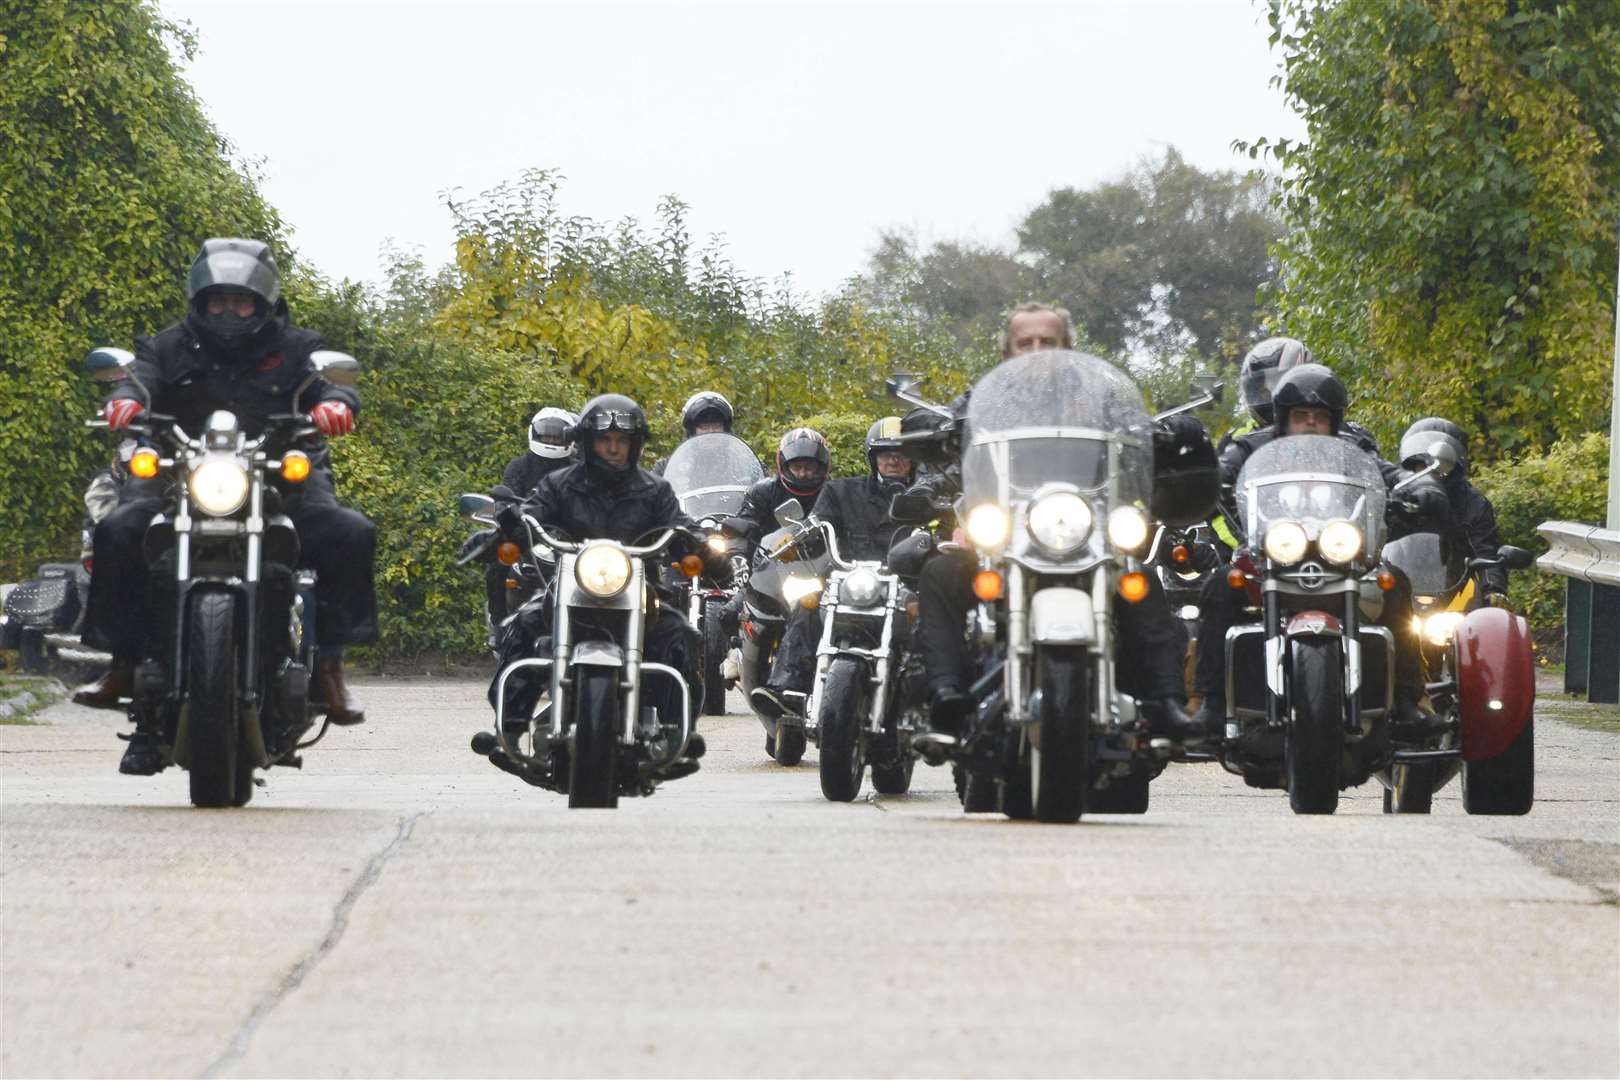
<point x="120" y="412"/>
<point x="332" y="418"/>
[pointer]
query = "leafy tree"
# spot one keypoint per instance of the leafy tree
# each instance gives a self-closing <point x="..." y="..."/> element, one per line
<point x="110" y="178"/>
<point x="1452" y="212"/>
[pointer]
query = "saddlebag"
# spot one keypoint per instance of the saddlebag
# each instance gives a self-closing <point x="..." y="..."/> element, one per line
<point x="45" y="603"/>
<point x="1496" y="681"/>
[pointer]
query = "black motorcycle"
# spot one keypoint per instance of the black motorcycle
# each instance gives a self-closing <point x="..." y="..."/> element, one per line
<point x="226" y="682"/>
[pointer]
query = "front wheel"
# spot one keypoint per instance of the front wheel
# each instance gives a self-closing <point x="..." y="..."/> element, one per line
<point x="840" y="715"/>
<point x="220" y="773"/>
<point x="715" y="646"/>
<point x="595" y="752"/>
<point x="1506" y="783"/>
<point x="1313" y="743"/>
<point x="1060" y="758"/>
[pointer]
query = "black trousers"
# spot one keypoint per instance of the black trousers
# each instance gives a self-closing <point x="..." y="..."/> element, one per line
<point x="1220" y="607"/>
<point x="1150" y="643"/>
<point x="338" y="543"/>
<point x="794" y="666"/>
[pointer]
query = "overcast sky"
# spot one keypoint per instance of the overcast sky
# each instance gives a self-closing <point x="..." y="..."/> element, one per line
<point x="798" y="131"/>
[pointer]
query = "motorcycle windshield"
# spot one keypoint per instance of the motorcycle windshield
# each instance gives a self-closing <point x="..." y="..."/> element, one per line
<point x="711" y="474"/>
<point x="1428" y="562"/>
<point x="1057" y="416"/>
<point x="1313" y="480"/>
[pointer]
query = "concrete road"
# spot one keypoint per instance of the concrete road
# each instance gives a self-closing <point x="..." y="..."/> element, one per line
<point x="402" y="908"/>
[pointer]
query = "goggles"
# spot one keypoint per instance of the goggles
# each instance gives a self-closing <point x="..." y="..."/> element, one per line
<point x="609" y="419"/>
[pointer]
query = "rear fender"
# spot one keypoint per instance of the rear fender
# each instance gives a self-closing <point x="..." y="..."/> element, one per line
<point x="1496" y="681"/>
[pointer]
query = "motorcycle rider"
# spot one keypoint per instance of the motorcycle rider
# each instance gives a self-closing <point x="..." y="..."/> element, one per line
<point x="1309" y="400"/>
<point x="704" y="413"/>
<point x="1153" y="640"/>
<point x="606" y="495"/>
<point x="803" y="460"/>
<point x="235" y="349"/>
<point x="1473" y="518"/>
<point x="857" y="508"/>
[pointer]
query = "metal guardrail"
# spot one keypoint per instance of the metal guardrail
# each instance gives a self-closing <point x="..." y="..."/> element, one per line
<point x="1589" y="557"/>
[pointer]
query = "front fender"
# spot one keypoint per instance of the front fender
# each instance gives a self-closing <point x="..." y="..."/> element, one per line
<point x="1496" y="681"/>
<point x="1062" y="616"/>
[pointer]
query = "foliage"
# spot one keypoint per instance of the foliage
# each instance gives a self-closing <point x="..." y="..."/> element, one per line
<point x="1452" y="214"/>
<point x="110" y="178"/>
<point x="1565" y="484"/>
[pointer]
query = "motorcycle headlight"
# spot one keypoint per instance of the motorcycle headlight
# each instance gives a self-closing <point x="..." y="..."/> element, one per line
<point x="1286" y="542"/>
<point x="861" y="589"/>
<point x="1340" y="542"/>
<point x="603" y="570"/>
<point x="219" y="485"/>
<point x="1441" y="627"/>
<point x="987" y="526"/>
<point x="716" y="543"/>
<point x="1127" y="528"/>
<point x="1059" y="521"/>
<point x="799" y="586"/>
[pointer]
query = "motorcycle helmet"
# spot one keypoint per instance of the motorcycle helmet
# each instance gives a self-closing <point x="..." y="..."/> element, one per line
<point x="1311" y="385"/>
<point x="239" y="266"/>
<point x="705" y="406"/>
<point x="803" y="444"/>
<point x="610" y="412"/>
<point x="550" y="431"/>
<point x="1186" y="475"/>
<point x="1263" y="366"/>
<point x="884" y="434"/>
<point x="1423" y="434"/>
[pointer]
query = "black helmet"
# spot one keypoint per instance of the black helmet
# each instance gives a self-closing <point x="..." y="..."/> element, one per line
<point x="1186" y="475"/>
<point x="1263" y="366"/>
<point x="1421" y="437"/>
<point x="1313" y="385"/>
<point x="610" y="412"/>
<point x="705" y="405"/>
<point x="240" y="266"/>
<point x="803" y="444"/>
<point x="550" y="431"/>
<point x="884" y="434"/>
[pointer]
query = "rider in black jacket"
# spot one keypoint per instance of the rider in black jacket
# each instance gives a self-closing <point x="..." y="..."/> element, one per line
<point x="857" y="508"/>
<point x="802" y="461"/>
<point x="1472" y="518"/>
<point x="237" y="350"/>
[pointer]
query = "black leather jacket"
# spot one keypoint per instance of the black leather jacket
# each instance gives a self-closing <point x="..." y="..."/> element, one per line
<point x="528" y="469"/>
<point x="857" y="507"/>
<point x="759" y="506"/>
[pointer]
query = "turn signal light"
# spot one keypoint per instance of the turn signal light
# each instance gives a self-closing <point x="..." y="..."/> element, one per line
<point x="295" y="466"/>
<point x="690" y="565"/>
<point x="509" y="553"/>
<point x="1236" y="578"/>
<point x="1386" y="580"/>
<point x="1133" y="587"/>
<point x="144" y="463"/>
<point x="511" y="583"/>
<point x="987" y="585"/>
<point x="1180" y="553"/>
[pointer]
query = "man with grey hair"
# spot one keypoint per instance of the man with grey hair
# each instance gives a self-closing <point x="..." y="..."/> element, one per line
<point x="1033" y="326"/>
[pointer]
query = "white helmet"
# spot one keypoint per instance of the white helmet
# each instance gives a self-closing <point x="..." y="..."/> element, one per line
<point x="551" y="423"/>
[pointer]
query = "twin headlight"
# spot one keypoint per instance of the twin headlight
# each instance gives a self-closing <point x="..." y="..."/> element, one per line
<point x="1286" y="542"/>
<point x="602" y="570"/>
<point x="218" y="485"/>
<point x="1060" y="522"/>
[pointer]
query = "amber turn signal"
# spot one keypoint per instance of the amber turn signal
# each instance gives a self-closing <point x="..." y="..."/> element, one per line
<point x="509" y="553"/>
<point x="1180" y="553"/>
<point x="144" y="464"/>
<point x="690" y="565"/>
<point x="295" y="466"/>
<point x="1133" y="587"/>
<point x="1236" y="578"/>
<point x="987" y="585"/>
<point x="1386" y="580"/>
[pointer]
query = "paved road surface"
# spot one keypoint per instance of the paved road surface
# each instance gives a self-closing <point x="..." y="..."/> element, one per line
<point x="402" y="908"/>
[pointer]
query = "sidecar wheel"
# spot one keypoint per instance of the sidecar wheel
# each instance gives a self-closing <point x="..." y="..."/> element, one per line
<point x="1506" y="783"/>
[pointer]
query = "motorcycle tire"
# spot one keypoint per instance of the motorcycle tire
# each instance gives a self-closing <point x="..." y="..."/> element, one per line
<point x="839" y="716"/>
<point x="894" y="778"/>
<point x="220" y="772"/>
<point x="1313" y="742"/>
<point x="977" y="792"/>
<point x="1506" y="783"/>
<point x="789" y="745"/>
<point x="594" y="754"/>
<point x="1060" y="766"/>
<point x="716" y="644"/>
<point x="1123" y="795"/>
<point x="1411" y="789"/>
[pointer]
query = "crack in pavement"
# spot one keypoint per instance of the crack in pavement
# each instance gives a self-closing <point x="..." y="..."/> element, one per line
<point x="368" y="876"/>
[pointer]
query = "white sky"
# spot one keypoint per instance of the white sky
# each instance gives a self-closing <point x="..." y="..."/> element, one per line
<point x="798" y="131"/>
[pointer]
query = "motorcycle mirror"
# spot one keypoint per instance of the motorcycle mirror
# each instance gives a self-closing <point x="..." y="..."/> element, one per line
<point x="789" y="513"/>
<point x="474" y="503"/>
<point x="1514" y="558"/>
<point x="108" y="364"/>
<point x="1444" y="454"/>
<point x="911" y="507"/>
<point x="1207" y="385"/>
<point x="903" y="387"/>
<point x="336" y="367"/>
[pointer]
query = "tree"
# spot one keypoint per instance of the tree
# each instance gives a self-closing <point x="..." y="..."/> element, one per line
<point x="110" y="179"/>
<point x="1452" y="212"/>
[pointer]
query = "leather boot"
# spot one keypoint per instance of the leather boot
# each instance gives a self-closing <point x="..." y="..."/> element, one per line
<point x="117" y="682"/>
<point x="342" y="707"/>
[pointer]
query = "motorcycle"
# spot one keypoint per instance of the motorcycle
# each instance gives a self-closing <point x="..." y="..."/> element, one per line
<point x="863" y="698"/>
<point x="592" y="739"/>
<point x="1057" y="463"/>
<point x="788" y="568"/>
<point x="1184" y="559"/>
<point x="711" y="475"/>
<point x="227" y="687"/>
<point x="1482" y="684"/>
